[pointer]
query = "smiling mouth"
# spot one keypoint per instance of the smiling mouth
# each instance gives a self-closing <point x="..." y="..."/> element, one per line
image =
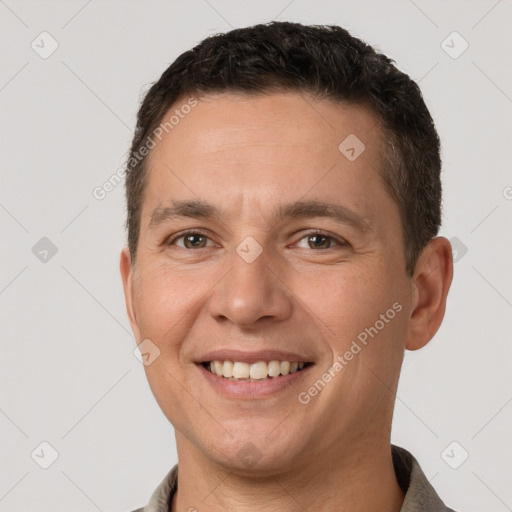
<point x="261" y="370"/>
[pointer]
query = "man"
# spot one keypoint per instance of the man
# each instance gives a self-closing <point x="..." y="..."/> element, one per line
<point x="283" y="195"/>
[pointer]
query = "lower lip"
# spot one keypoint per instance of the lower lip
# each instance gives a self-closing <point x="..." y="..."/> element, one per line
<point x="252" y="389"/>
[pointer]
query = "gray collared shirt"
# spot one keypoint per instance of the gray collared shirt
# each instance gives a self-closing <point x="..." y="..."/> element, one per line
<point x="420" y="496"/>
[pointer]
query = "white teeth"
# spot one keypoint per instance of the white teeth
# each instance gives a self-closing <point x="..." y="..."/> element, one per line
<point x="274" y="369"/>
<point x="227" y="369"/>
<point x="218" y="367"/>
<point x="258" y="370"/>
<point x="235" y="370"/>
<point x="285" y="367"/>
<point x="240" y="371"/>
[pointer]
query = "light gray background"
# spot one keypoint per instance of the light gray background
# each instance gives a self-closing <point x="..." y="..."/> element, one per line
<point x="68" y="373"/>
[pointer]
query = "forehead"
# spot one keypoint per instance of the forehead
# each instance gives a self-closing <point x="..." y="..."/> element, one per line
<point x="250" y="149"/>
<point x="254" y="133"/>
<point x="227" y="120"/>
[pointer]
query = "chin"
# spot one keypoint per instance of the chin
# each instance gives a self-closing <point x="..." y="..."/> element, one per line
<point x="253" y="455"/>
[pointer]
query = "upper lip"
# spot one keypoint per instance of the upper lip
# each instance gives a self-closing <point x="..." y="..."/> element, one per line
<point x="252" y="356"/>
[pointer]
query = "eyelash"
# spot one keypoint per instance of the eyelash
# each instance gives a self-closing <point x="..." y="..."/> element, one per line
<point x="339" y="241"/>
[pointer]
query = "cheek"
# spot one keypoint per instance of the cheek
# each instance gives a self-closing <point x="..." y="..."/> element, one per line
<point x="347" y="300"/>
<point x="166" y="300"/>
<point x="360" y="308"/>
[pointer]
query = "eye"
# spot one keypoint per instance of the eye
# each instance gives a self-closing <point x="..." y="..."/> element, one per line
<point x="320" y="240"/>
<point x="192" y="239"/>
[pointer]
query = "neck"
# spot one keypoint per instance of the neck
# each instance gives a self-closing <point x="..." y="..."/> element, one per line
<point x="361" y="480"/>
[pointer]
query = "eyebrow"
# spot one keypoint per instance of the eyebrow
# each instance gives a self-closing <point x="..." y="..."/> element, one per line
<point x="294" y="210"/>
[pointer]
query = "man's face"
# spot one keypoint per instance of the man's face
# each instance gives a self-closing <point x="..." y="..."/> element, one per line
<point x="249" y="285"/>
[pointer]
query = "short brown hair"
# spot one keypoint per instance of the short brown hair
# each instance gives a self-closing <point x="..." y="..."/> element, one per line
<point x="330" y="63"/>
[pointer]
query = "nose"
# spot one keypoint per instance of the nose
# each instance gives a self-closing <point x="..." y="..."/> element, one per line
<point x="251" y="293"/>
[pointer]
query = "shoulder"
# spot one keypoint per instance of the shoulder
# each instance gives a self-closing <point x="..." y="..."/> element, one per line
<point x="420" y="496"/>
<point x="163" y="494"/>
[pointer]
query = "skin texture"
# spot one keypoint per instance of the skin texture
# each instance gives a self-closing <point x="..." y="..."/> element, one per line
<point x="246" y="155"/>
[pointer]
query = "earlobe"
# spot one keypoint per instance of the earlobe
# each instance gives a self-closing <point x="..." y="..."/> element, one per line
<point x="127" y="278"/>
<point x="432" y="280"/>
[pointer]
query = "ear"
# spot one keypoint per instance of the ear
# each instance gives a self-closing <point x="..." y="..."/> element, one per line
<point x="127" y="275"/>
<point x="432" y="279"/>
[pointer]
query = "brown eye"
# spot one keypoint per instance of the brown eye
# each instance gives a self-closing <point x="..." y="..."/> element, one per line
<point x="190" y="240"/>
<point x="194" y="241"/>
<point x="319" y="241"/>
